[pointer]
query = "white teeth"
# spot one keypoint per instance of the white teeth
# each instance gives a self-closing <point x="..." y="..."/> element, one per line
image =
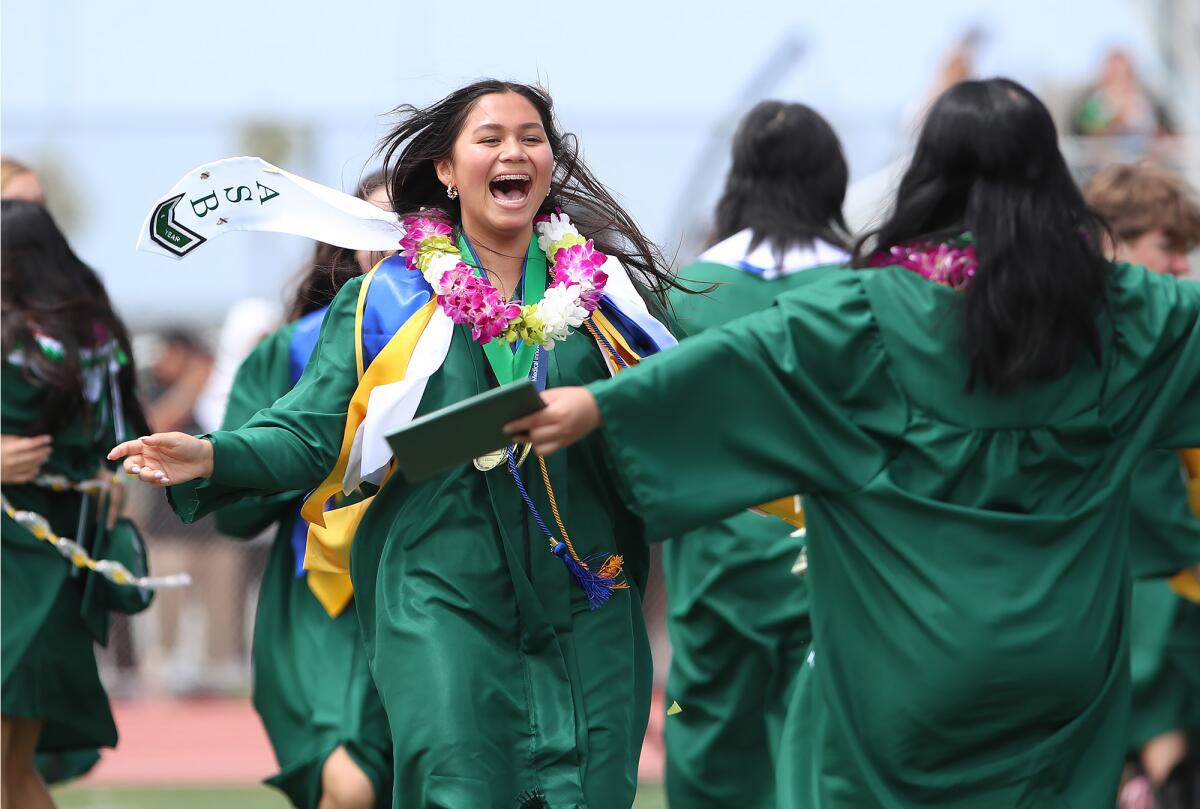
<point x="511" y="177"/>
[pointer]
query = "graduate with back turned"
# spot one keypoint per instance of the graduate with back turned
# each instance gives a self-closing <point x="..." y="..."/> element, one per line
<point x="963" y="414"/>
<point x="736" y="613"/>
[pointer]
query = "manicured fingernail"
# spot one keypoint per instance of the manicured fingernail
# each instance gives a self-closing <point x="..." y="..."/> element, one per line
<point x="165" y="481"/>
<point x="134" y="470"/>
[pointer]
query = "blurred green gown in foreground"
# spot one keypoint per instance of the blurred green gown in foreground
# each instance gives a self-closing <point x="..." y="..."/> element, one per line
<point x="53" y="612"/>
<point x="968" y="553"/>
<point x="312" y="686"/>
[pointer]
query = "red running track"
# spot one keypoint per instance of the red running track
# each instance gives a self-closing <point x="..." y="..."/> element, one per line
<point x="199" y="741"/>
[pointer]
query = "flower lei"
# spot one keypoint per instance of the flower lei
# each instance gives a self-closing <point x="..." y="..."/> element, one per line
<point x="575" y="290"/>
<point x="950" y="264"/>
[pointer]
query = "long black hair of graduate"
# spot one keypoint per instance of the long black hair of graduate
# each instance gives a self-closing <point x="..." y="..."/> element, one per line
<point x="425" y="135"/>
<point x="331" y="266"/>
<point x="46" y="289"/>
<point x="987" y="162"/>
<point x="787" y="180"/>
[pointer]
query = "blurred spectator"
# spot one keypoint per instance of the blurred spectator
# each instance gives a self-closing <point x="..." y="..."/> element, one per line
<point x="18" y="181"/>
<point x="1119" y="104"/>
<point x="246" y="324"/>
<point x="177" y="377"/>
<point x="200" y="630"/>
<point x="957" y="64"/>
<point x="1153" y="214"/>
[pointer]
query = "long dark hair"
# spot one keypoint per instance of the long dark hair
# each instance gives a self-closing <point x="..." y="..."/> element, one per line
<point x="331" y="266"/>
<point x="987" y="162"/>
<point x="427" y="134"/>
<point x="787" y="181"/>
<point x="48" y="290"/>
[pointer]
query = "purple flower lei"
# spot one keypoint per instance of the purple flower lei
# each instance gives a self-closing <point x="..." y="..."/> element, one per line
<point x="467" y="298"/>
<point x="947" y="263"/>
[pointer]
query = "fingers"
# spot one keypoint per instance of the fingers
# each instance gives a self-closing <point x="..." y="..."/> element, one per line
<point x="126" y="449"/>
<point x="543" y="429"/>
<point x="29" y="456"/>
<point x="549" y="438"/>
<point x="523" y="425"/>
<point x="25" y="450"/>
<point x="137" y="466"/>
<point x="155" y="477"/>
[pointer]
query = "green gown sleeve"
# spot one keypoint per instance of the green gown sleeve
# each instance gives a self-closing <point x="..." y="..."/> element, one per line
<point x="1164" y="533"/>
<point x="262" y="378"/>
<point x="1156" y="376"/>
<point x="793" y="399"/>
<point x="292" y="444"/>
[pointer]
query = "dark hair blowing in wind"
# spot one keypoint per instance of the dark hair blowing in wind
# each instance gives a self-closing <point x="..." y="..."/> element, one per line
<point x="787" y="182"/>
<point x="987" y="162"/>
<point x="47" y="289"/>
<point x="427" y="134"/>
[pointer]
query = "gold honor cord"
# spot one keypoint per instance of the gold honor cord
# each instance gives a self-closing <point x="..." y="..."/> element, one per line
<point x="75" y="553"/>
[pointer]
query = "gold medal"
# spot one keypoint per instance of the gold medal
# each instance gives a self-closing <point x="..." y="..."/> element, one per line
<point x="486" y="463"/>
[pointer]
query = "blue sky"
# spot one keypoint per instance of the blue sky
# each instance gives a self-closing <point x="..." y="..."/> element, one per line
<point x="121" y="98"/>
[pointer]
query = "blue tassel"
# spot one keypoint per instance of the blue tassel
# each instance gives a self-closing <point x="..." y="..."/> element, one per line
<point x="596" y="587"/>
<point x="597" y="583"/>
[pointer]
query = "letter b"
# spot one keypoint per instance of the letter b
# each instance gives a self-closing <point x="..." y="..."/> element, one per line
<point x="210" y="203"/>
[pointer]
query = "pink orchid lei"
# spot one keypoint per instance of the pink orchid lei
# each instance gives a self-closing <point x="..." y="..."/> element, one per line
<point x="576" y="284"/>
<point x="950" y="264"/>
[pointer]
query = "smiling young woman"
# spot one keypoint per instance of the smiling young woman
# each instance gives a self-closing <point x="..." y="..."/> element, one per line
<point x="500" y="170"/>
<point x="514" y="673"/>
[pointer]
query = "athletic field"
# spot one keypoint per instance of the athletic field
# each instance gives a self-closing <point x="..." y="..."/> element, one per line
<point x="82" y="797"/>
<point x="211" y="753"/>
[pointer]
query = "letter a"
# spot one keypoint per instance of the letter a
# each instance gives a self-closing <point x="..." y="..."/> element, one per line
<point x="201" y="212"/>
<point x="266" y="194"/>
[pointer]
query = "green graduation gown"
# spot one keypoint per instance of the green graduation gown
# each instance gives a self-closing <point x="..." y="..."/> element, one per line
<point x="48" y="656"/>
<point x="502" y="689"/>
<point x="736" y="614"/>
<point x="312" y="686"/>
<point x="968" y="553"/>
<point x="1164" y="628"/>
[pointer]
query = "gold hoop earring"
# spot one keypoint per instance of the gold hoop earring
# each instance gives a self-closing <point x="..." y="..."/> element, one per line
<point x="451" y="192"/>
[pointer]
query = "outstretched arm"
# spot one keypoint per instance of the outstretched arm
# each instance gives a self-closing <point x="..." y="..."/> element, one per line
<point x="164" y="459"/>
<point x="291" y="445"/>
<point x="797" y="399"/>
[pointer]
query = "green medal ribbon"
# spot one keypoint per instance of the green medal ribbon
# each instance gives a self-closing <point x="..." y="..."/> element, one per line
<point x="507" y="364"/>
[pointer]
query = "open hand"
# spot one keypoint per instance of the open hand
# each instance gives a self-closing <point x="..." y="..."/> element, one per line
<point x="166" y="459"/>
<point x="569" y="415"/>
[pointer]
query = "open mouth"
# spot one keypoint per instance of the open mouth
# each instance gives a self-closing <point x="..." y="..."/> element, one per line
<point x="510" y="189"/>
